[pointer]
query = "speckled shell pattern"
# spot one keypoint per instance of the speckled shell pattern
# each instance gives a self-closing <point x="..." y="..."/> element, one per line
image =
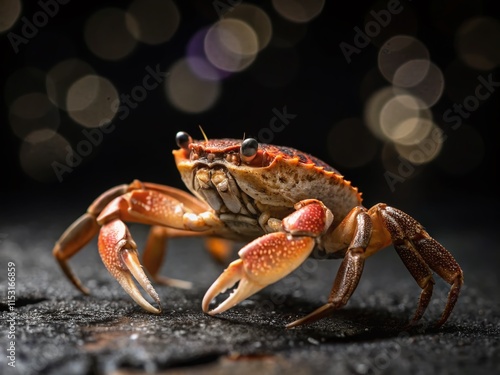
<point x="278" y="176"/>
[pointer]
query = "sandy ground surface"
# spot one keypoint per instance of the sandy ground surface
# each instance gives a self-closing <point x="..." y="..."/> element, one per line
<point x="57" y="330"/>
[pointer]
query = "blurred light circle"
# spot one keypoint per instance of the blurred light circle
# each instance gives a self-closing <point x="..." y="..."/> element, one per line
<point x="188" y="92"/>
<point x="9" y="13"/>
<point x="397" y="51"/>
<point x="372" y="109"/>
<point x="231" y="45"/>
<point x="298" y="11"/>
<point x="152" y="21"/>
<point x="32" y="112"/>
<point x="411" y="73"/>
<point x="400" y="119"/>
<point x="24" y="81"/>
<point x="40" y="151"/>
<point x="417" y="130"/>
<point x="197" y="58"/>
<point x="478" y="43"/>
<point x="428" y="89"/>
<point x="106" y="34"/>
<point x="203" y="69"/>
<point x="90" y="101"/>
<point x="62" y="76"/>
<point x="257" y="19"/>
<point x="350" y="144"/>
<point x="426" y="149"/>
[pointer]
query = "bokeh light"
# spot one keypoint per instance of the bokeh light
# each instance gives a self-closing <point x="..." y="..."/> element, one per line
<point x="188" y="92"/>
<point x="198" y="61"/>
<point x="428" y="87"/>
<point x="39" y="151"/>
<point x="257" y="19"/>
<point x="41" y="114"/>
<point x="107" y="36"/>
<point x="400" y="119"/>
<point x="62" y="76"/>
<point x="91" y="101"/>
<point x="424" y="150"/>
<point x="399" y="50"/>
<point x="299" y="11"/>
<point x="152" y="21"/>
<point x="350" y="144"/>
<point x="478" y="43"/>
<point x="372" y="109"/>
<point x="231" y="45"/>
<point x="9" y="13"/>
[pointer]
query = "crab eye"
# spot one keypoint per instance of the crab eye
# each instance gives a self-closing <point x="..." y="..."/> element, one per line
<point x="183" y="140"/>
<point x="248" y="150"/>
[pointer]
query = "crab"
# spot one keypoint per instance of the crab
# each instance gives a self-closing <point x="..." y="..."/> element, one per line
<point x="284" y="202"/>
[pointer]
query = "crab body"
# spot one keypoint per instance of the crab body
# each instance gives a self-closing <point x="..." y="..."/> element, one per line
<point x="285" y="202"/>
<point x="272" y="183"/>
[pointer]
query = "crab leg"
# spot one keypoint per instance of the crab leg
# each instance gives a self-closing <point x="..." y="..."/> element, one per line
<point x="81" y="232"/>
<point x="375" y="229"/>
<point x="271" y="257"/>
<point x="419" y="252"/>
<point x="350" y="270"/>
<point x="138" y="202"/>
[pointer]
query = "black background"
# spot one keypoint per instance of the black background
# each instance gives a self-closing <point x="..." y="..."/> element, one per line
<point x="325" y="90"/>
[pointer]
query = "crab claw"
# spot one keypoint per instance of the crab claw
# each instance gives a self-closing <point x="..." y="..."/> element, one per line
<point x="119" y="254"/>
<point x="263" y="261"/>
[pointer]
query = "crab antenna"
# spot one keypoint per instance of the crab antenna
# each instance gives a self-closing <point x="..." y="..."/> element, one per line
<point x="204" y="135"/>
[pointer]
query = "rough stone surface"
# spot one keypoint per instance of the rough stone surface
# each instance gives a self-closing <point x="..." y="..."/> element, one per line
<point x="59" y="331"/>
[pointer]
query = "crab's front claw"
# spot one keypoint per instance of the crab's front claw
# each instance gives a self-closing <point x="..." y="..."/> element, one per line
<point x="263" y="262"/>
<point x="119" y="254"/>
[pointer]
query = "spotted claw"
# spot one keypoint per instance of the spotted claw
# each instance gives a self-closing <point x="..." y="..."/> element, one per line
<point x="271" y="257"/>
<point x="119" y="254"/>
<point x="263" y="262"/>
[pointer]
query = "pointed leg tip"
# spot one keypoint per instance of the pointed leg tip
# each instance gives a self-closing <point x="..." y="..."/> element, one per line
<point x="84" y="290"/>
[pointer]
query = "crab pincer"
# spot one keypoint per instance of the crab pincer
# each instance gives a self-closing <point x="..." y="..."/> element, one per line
<point x="119" y="254"/>
<point x="271" y="257"/>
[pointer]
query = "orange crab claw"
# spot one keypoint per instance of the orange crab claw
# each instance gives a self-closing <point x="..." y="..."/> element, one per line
<point x="119" y="254"/>
<point x="263" y="262"/>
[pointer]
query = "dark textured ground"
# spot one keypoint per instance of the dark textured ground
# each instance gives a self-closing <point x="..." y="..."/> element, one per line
<point x="59" y="331"/>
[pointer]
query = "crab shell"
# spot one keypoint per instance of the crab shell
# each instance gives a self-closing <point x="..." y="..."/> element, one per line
<point x="276" y="177"/>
